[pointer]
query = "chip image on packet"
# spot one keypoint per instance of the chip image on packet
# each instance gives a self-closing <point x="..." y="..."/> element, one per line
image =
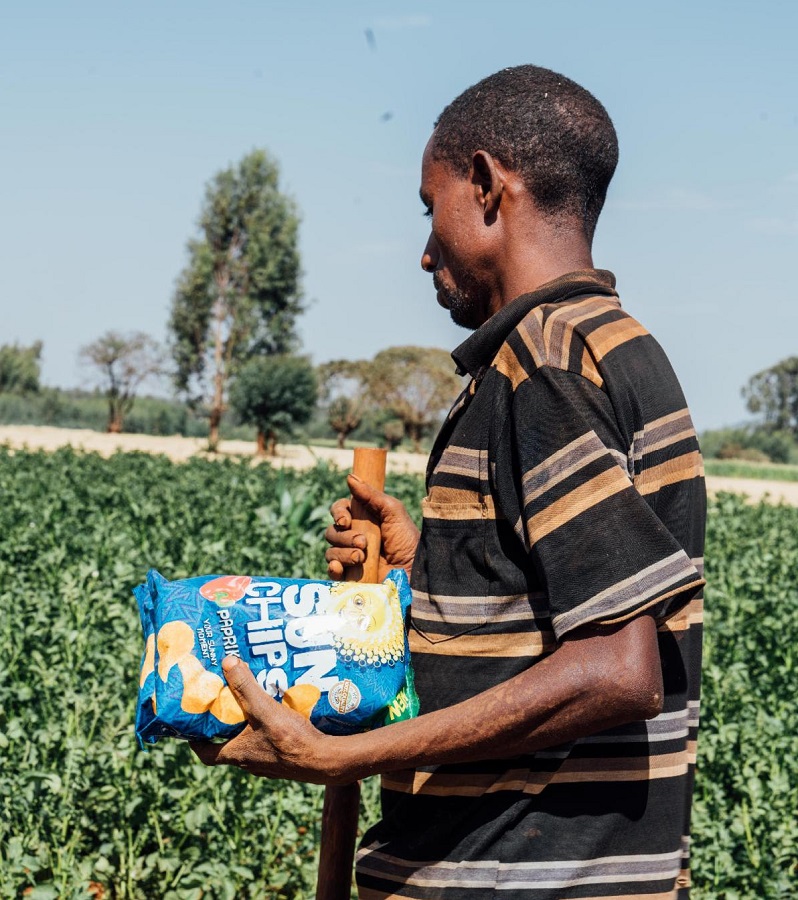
<point x="336" y="652"/>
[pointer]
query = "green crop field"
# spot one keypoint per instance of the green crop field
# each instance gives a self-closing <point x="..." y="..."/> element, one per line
<point x="736" y="468"/>
<point x="85" y="814"/>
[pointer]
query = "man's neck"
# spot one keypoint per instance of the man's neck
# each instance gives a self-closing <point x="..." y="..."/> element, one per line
<point x="537" y="259"/>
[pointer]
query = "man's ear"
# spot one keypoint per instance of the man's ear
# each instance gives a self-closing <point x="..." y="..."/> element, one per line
<point x="488" y="184"/>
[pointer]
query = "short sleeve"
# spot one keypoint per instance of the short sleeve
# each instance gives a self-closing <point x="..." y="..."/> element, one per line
<point x="563" y="478"/>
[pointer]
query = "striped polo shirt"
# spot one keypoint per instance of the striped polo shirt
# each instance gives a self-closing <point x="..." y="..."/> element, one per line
<point x="565" y="489"/>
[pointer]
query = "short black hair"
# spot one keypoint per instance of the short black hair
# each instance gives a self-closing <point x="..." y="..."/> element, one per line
<point x="543" y="126"/>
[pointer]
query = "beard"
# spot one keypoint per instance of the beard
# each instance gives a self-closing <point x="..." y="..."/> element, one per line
<point x="466" y="303"/>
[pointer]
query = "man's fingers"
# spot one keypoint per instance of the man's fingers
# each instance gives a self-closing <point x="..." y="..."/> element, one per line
<point x="246" y="690"/>
<point x="382" y="503"/>
<point x="349" y="538"/>
<point x="346" y="556"/>
<point x="341" y="513"/>
<point x="364" y="492"/>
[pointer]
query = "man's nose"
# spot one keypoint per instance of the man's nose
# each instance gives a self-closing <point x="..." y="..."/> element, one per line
<point x="429" y="258"/>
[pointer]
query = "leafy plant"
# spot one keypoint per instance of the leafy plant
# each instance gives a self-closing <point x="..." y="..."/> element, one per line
<point x="344" y="391"/>
<point x="85" y="814"/>
<point x="123" y="363"/>
<point x="746" y="804"/>
<point x="275" y="394"/>
<point x="773" y="394"/>
<point x="20" y="368"/>
<point x="239" y="294"/>
<point x="416" y="384"/>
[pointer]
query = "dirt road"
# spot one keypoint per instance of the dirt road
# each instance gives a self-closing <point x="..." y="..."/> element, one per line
<point x="302" y="457"/>
<point x="179" y="449"/>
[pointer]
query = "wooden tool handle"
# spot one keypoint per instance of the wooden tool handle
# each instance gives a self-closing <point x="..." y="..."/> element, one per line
<point x="342" y="802"/>
<point x="338" y="837"/>
<point x="369" y="466"/>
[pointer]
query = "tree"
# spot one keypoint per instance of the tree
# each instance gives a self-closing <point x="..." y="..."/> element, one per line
<point x="239" y="294"/>
<point x="274" y="393"/>
<point x="124" y="362"/>
<point x="393" y="430"/>
<point x="773" y="393"/>
<point x="417" y="384"/>
<point x="20" y="368"/>
<point x="344" y="391"/>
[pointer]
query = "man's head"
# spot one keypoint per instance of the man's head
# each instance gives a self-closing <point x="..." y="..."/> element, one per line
<point x="527" y="133"/>
<point x="543" y="126"/>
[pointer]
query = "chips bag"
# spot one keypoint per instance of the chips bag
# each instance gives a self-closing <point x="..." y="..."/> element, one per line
<point x="334" y="651"/>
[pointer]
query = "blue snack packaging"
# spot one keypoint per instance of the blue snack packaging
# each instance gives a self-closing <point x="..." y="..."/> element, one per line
<point x="336" y="652"/>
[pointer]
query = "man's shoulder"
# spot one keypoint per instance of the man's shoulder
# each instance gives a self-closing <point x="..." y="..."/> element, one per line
<point x="572" y="335"/>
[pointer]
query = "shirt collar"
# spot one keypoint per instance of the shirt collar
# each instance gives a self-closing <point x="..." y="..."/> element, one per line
<point x="478" y="350"/>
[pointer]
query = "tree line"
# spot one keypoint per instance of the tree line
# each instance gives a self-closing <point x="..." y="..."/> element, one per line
<point x="400" y="395"/>
<point x="232" y="341"/>
<point x="772" y="396"/>
<point x="232" y="344"/>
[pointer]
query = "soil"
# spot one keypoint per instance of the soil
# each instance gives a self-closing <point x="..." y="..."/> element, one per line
<point x="179" y="449"/>
<point x="300" y="456"/>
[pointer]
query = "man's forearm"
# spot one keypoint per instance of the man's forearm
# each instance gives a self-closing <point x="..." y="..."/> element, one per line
<point x="587" y="685"/>
<point x="591" y="682"/>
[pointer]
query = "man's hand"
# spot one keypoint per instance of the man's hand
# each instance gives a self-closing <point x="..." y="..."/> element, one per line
<point x="277" y="742"/>
<point x="348" y="546"/>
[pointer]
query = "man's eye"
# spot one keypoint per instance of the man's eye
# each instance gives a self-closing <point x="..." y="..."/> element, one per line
<point x="428" y="213"/>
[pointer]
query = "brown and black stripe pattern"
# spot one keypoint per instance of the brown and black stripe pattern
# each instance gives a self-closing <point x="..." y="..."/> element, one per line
<point x="566" y="488"/>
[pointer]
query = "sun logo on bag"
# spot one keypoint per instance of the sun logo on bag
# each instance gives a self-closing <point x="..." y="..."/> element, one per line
<point x="369" y="628"/>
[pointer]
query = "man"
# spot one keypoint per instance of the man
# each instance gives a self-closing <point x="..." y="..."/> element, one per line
<point x="556" y="612"/>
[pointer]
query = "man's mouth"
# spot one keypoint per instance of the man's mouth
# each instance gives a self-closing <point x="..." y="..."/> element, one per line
<point x="442" y="293"/>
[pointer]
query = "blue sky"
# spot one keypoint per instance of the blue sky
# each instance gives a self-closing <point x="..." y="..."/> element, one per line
<point x="113" y="117"/>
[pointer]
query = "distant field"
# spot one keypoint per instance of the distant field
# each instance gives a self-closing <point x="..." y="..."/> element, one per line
<point x="734" y="468"/>
<point x="181" y="449"/>
<point x="776" y="483"/>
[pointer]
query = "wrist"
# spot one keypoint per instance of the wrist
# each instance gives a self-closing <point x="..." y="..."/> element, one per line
<point x="341" y="760"/>
<point x="367" y="753"/>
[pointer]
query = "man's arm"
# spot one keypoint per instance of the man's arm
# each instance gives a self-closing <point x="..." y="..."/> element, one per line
<point x="599" y="677"/>
<point x="595" y="681"/>
<point x="598" y="680"/>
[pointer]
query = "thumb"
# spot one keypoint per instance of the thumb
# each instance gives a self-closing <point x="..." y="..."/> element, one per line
<point x="249" y="694"/>
<point x="370" y="496"/>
